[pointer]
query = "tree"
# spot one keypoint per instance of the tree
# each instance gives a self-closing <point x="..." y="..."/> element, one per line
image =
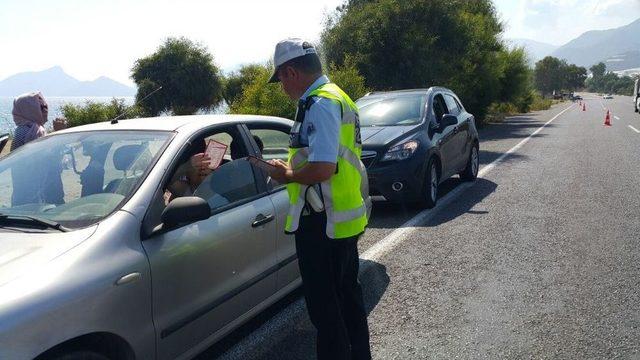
<point x="190" y="80"/>
<point x="259" y="97"/>
<point x="399" y="44"/>
<point x="236" y="82"/>
<point x="514" y="78"/>
<point x="575" y="77"/>
<point x="598" y="70"/>
<point x="348" y="79"/>
<point x="608" y="82"/>
<point x="550" y="75"/>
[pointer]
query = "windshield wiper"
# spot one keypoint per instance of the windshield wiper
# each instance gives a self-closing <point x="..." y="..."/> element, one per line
<point x="13" y="219"/>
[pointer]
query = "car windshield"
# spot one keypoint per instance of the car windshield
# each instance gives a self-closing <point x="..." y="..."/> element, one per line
<point x="76" y="179"/>
<point x="391" y="111"/>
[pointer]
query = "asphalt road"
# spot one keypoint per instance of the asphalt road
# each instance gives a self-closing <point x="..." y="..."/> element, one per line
<point x="538" y="258"/>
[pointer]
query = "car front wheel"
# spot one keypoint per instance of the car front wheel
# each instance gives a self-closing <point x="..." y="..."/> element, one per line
<point x="470" y="172"/>
<point x="430" y="186"/>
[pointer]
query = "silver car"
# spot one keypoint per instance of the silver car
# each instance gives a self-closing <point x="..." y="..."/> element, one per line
<point x="100" y="260"/>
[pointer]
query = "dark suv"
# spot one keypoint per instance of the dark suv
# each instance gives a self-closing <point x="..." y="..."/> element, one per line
<point x="413" y="140"/>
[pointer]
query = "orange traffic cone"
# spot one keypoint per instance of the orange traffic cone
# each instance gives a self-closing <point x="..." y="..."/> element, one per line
<point x="607" y="119"/>
<point x="584" y="107"/>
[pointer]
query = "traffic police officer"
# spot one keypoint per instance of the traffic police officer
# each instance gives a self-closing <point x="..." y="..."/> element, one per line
<point x="327" y="213"/>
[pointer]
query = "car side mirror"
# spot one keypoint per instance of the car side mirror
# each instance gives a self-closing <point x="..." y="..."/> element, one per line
<point x="448" y="120"/>
<point x="183" y="211"/>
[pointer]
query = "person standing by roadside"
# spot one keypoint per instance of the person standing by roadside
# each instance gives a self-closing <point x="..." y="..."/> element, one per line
<point x="30" y="113"/>
<point x="327" y="213"/>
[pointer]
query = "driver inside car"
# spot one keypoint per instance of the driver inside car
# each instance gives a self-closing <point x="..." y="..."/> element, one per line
<point x="190" y="174"/>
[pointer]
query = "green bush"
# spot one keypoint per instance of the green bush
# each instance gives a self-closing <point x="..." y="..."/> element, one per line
<point x="92" y="112"/>
<point x="261" y="98"/>
<point x="540" y="103"/>
<point x="349" y="79"/>
<point x="235" y="83"/>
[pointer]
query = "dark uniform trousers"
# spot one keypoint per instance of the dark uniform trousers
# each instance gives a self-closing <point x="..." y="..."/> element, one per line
<point x="329" y="270"/>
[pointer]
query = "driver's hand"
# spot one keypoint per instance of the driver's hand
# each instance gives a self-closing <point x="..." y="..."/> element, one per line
<point x="59" y="123"/>
<point x="200" y="160"/>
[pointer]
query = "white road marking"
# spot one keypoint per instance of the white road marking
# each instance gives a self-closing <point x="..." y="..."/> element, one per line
<point x="387" y="244"/>
<point x="617" y="118"/>
<point x="634" y="129"/>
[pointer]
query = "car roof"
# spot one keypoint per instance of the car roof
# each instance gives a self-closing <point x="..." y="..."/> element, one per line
<point x="407" y="91"/>
<point x="187" y="123"/>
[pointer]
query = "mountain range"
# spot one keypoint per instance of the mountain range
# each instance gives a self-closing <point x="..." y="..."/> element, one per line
<point x="619" y="48"/>
<point x="55" y="82"/>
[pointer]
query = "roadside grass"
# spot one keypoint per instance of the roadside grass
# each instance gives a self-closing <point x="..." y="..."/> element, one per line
<point x="498" y="112"/>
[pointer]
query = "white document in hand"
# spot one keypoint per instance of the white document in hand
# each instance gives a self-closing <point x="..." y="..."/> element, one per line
<point x="215" y="150"/>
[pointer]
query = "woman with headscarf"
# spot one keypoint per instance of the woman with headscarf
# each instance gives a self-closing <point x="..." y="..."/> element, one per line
<point x="30" y="112"/>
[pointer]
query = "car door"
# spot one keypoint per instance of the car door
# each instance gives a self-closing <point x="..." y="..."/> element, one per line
<point x="209" y="273"/>
<point x="274" y="141"/>
<point x="444" y="138"/>
<point x="460" y="134"/>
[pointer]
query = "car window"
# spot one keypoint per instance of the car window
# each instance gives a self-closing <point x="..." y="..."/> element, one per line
<point x="439" y="107"/>
<point x="274" y="143"/>
<point x="460" y="107"/>
<point x="395" y="110"/>
<point x="452" y="106"/>
<point x="232" y="182"/>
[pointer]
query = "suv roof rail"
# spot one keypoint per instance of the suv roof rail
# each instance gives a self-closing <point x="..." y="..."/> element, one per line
<point x="397" y="91"/>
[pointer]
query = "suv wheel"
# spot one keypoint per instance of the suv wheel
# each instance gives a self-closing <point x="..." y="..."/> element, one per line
<point x="430" y="185"/>
<point x="470" y="172"/>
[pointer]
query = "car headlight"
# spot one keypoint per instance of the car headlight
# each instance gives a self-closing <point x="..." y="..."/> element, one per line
<point x="401" y="151"/>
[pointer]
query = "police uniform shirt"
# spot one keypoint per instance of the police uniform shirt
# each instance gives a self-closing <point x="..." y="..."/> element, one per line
<point x="321" y="127"/>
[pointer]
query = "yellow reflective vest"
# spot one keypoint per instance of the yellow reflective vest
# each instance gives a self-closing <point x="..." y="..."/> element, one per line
<point x="343" y="202"/>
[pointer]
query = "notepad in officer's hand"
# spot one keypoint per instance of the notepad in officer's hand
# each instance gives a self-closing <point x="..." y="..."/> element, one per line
<point x="260" y="163"/>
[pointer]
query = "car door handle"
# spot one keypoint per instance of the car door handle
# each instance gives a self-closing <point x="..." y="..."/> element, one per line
<point x="261" y="220"/>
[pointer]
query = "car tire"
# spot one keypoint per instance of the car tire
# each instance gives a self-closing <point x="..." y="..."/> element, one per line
<point x="429" y="196"/>
<point x="470" y="171"/>
<point x="81" y="355"/>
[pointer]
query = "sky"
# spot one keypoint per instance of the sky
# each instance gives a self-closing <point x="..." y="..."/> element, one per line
<point x="92" y="38"/>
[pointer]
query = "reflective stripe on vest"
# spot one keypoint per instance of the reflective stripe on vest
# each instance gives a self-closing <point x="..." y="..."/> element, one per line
<point x="344" y="205"/>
